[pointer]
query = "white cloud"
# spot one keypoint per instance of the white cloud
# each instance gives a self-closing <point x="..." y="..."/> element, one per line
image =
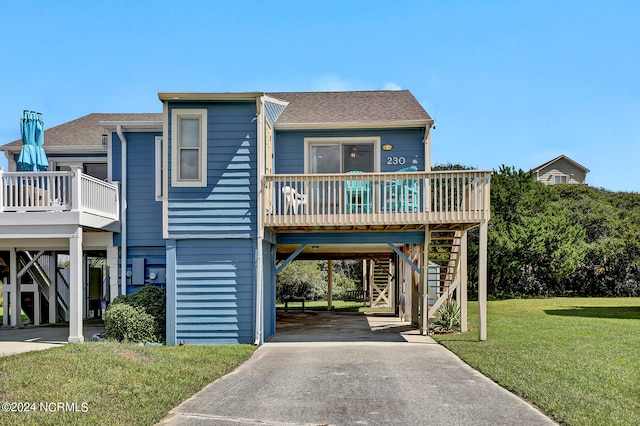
<point x="391" y="86"/>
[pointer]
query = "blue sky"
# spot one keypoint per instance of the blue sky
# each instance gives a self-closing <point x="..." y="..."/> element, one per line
<point x="508" y="82"/>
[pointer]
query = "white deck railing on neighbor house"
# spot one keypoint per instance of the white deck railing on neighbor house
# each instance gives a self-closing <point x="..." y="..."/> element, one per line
<point x="362" y="199"/>
<point x="58" y="191"/>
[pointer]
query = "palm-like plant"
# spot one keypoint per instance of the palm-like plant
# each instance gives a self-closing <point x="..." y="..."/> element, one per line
<point x="448" y="316"/>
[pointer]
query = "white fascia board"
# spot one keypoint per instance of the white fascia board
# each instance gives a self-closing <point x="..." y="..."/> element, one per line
<point x="197" y="96"/>
<point x="354" y="125"/>
<point x="65" y="149"/>
<point x="266" y="98"/>
<point x="133" y="126"/>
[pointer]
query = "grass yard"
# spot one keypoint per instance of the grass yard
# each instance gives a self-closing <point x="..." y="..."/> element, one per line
<point x="577" y="359"/>
<point x="337" y="305"/>
<point x="120" y="384"/>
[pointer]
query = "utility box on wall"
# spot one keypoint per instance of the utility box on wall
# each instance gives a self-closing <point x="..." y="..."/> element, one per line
<point x="137" y="271"/>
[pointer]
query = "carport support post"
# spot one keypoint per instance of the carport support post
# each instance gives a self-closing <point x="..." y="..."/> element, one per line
<point x="75" y="297"/>
<point x="462" y="287"/>
<point x="424" y="285"/>
<point x="482" y="282"/>
<point x="53" y="287"/>
<point x="14" y="298"/>
<point x="329" y="285"/>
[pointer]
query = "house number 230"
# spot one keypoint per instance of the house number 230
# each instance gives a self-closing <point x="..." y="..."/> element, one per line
<point x="395" y="160"/>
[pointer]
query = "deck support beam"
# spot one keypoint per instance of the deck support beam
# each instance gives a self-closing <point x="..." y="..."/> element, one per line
<point x="15" y="300"/>
<point x="75" y="297"/>
<point x="424" y="285"/>
<point x="482" y="281"/>
<point x="53" y="287"/>
<point x="329" y="284"/>
<point x="290" y="258"/>
<point x="462" y="288"/>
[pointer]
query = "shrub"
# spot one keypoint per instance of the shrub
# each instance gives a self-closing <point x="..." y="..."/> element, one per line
<point x="448" y="316"/>
<point x="153" y="301"/>
<point x="126" y="323"/>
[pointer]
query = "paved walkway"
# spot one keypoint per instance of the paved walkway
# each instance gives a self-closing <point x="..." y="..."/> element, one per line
<point x="17" y="340"/>
<point x="332" y="369"/>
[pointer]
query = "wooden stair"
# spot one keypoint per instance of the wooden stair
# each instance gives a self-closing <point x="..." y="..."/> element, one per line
<point x="381" y="283"/>
<point x="444" y="265"/>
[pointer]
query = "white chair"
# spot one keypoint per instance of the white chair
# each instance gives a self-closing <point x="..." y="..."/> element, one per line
<point x="293" y="199"/>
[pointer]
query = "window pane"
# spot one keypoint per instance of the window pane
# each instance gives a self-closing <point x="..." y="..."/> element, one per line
<point x="189" y="132"/>
<point x="357" y="157"/>
<point x="189" y="164"/>
<point x="325" y="159"/>
<point x="97" y="170"/>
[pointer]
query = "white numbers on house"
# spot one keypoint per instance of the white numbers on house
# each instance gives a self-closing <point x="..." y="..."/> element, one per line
<point x="396" y="160"/>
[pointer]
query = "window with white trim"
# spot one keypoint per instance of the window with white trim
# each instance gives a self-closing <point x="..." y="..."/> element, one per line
<point x="159" y="168"/>
<point x="561" y="179"/>
<point x="189" y="147"/>
<point x="342" y="155"/>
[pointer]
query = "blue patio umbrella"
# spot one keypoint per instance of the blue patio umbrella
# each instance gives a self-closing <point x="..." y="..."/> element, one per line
<point x="32" y="156"/>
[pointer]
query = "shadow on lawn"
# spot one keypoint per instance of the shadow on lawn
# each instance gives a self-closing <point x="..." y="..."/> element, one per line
<point x="619" y="312"/>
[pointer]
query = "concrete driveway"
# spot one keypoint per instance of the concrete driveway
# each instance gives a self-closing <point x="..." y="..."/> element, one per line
<point x="29" y="338"/>
<point x="333" y="369"/>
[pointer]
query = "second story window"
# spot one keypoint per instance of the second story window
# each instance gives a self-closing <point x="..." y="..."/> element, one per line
<point x="342" y="155"/>
<point x="189" y="147"/>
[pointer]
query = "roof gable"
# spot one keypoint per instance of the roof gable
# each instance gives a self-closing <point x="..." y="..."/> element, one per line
<point x="561" y="157"/>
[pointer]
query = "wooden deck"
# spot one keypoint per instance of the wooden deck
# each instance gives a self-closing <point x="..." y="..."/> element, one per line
<point x="57" y="197"/>
<point x="375" y="201"/>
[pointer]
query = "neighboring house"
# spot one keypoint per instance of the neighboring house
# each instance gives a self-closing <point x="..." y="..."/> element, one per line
<point x="213" y="197"/>
<point x="561" y="169"/>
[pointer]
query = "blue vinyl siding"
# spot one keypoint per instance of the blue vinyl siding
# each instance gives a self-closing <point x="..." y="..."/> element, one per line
<point x="272" y="111"/>
<point x="226" y="207"/>
<point x="214" y="291"/>
<point x="144" y="213"/>
<point x="407" y="143"/>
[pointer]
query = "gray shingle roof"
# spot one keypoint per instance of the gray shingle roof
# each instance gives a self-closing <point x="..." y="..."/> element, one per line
<point x="381" y="106"/>
<point x="542" y="166"/>
<point x="84" y="131"/>
<point x="305" y="110"/>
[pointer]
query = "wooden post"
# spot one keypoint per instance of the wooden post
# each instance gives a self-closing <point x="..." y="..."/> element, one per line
<point x="415" y="283"/>
<point x="14" y="299"/>
<point x="76" y="189"/>
<point x="424" y="282"/>
<point x="112" y="270"/>
<point x="53" y="288"/>
<point x="462" y="287"/>
<point x="76" y="287"/>
<point x="330" y="285"/>
<point x="5" y="306"/>
<point x="482" y="282"/>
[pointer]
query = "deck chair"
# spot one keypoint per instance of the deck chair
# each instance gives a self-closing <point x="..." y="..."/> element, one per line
<point x="358" y="194"/>
<point x="402" y="195"/>
<point x="293" y="199"/>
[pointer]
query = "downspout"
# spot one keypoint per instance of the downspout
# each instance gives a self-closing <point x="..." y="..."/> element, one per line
<point x="123" y="214"/>
<point x="259" y="338"/>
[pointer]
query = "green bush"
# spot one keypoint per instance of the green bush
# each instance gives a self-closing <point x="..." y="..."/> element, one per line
<point x="153" y="301"/>
<point x="448" y="316"/>
<point x="126" y="323"/>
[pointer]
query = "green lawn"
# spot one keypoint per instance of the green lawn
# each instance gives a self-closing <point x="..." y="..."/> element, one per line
<point x="577" y="359"/>
<point x="119" y="384"/>
<point x="25" y="318"/>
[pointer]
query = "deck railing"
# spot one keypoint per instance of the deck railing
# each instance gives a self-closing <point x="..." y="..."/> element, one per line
<point x="58" y="191"/>
<point x="361" y="199"/>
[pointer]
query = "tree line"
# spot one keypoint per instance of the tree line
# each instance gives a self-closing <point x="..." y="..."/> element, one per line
<point x="559" y="239"/>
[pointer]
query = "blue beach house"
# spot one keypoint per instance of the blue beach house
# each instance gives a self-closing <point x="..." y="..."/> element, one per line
<point x="211" y="198"/>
